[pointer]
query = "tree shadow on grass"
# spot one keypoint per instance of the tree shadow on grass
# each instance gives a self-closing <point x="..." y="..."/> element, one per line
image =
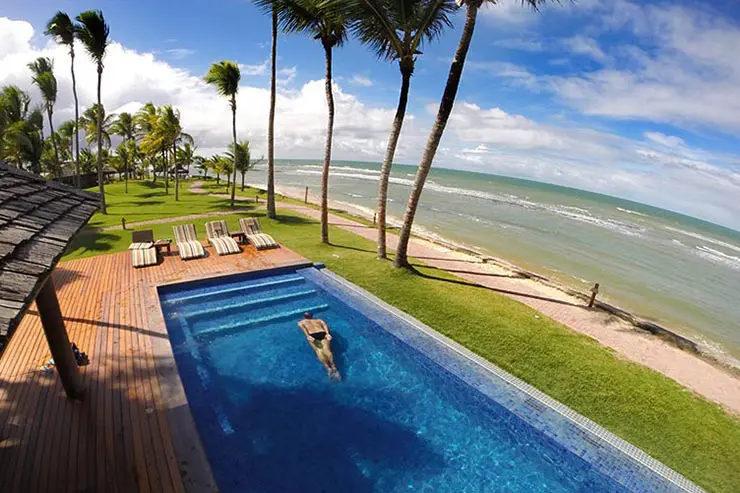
<point x="147" y="203"/>
<point x="295" y="220"/>
<point x="497" y="290"/>
<point x="100" y="242"/>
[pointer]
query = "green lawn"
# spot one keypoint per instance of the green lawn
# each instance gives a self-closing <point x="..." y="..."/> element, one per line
<point x="146" y="201"/>
<point x="687" y="433"/>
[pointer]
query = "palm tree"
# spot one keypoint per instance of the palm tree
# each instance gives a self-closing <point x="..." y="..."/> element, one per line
<point x="395" y="31"/>
<point x="144" y="121"/>
<point x="186" y="155"/>
<point x="94" y="129"/>
<point x="443" y="114"/>
<point x="14" y="105"/>
<point x="66" y="131"/>
<point x="93" y="33"/>
<point x="126" y="153"/>
<point x="273" y="6"/>
<point x="225" y="76"/>
<point x="62" y="29"/>
<point x="124" y="126"/>
<point x="43" y="77"/>
<point x="169" y="128"/>
<point x="243" y="158"/>
<point x="321" y="20"/>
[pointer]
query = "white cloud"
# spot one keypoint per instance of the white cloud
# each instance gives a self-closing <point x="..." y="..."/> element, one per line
<point x="360" y="80"/>
<point x="179" y="53"/>
<point x="665" y="140"/>
<point x="520" y="44"/>
<point x="286" y="75"/>
<point x="583" y="45"/>
<point x="258" y="69"/>
<point x="508" y="12"/>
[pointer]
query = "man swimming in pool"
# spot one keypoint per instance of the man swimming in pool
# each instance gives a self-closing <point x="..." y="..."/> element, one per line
<point x="317" y="333"/>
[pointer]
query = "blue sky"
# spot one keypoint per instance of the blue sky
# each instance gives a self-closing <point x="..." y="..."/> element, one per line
<point x="635" y="99"/>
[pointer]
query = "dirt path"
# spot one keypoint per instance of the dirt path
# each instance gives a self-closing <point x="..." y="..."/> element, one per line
<point x="710" y="381"/>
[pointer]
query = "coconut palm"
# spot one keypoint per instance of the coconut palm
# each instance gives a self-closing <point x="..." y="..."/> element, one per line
<point x="225" y="76"/>
<point x="62" y="29"/>
<point x="14" y="105"/>
<point x="93" y="33"/>
<point x="326" y="23"/>
<point x="186" y="155"/>
<point x="272" y="6"/>
<point x="124" y="126"/>
<point x="443" y="114"/>
<point x="97" y="132"/>
<point x="243" y="159"/>
<point x="43" y="77"/>
<point x="169" y="128"/>
<point x="67" y="131"/>
<point x="396" y="30"/>
<point x="125" y="156"/>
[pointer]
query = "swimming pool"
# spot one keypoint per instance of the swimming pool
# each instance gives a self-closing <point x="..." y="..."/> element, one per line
<point x="413" y="411"/>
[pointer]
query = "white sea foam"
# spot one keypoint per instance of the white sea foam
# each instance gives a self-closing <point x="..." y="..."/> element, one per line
<point x="707" y="239"/>
<point x="339" y="168"/>
<point x="569" y="212"/>
<point x="718" y="257"/>
<point x="634" y="213"/>
<point x="356" y="195"/>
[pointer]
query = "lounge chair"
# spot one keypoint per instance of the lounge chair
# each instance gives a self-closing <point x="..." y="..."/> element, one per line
<point x="142" y="248"/>
<point x="219" y="238"/>
<point x="187" y="242"/>
<point x="252" y="230"/>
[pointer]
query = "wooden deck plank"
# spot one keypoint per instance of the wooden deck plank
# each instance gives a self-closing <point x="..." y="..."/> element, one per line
<point x="118" y="438"/>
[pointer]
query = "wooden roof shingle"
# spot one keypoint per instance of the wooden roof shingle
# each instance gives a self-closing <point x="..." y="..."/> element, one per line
<point x="38" y="220"/>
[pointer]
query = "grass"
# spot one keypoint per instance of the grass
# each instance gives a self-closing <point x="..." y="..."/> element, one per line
<point x="146" y="201"/>
<point x="691" y="435"/>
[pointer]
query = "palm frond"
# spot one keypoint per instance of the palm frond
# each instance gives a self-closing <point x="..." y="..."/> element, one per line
<point x="41" y="65"/>
<point x="320" y="18"/>
<point x="93" y="33"/>
<point x="47" y="84"/>
<point x="225" y="77"/>
<point x="62" y="29"/>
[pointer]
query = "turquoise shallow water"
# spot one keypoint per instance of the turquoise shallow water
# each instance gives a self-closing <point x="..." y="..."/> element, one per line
<point x="677" y="270"/>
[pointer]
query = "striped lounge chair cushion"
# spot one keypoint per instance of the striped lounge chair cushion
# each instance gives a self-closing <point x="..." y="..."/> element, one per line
<point x="187" y="242"/>
<point x="225" y="245"/>
<point x="142" y="257"/>
<point x="218" y="236"/>
<point x="262" y="241"/>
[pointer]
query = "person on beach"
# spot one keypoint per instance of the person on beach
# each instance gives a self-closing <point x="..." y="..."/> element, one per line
<point x="319" y="338"/>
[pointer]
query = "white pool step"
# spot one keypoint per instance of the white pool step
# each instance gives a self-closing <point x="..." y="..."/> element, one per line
<point x="248" y="304"/>
<point x="227" y="329"/>
<point x="238" y="289"/>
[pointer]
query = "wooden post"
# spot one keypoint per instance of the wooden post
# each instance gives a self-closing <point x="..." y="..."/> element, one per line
<point x="305" y="199"/>
<point x="594" y="292"/>
<point x="375" y="218"/>
<point x="56" y="335"/>
<point x="123" y="223"/>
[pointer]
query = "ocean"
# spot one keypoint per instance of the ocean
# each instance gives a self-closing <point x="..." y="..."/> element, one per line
<point x="679" y="271"/>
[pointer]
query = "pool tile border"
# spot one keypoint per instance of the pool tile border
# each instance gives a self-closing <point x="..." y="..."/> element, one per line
<point x="531" y="404"/>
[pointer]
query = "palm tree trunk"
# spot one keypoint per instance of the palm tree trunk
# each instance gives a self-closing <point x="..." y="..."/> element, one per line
<point x="126" y="176"/>
<point x="233" y="133"/>
<point x="443" y="114"/>
<point x="243" y="174"/>
<point x="271" y="124"/>
<point x="77" y="119"/>
<point x="101" y="185"/>
<point x="177" y="175"/>
<point x="385" y="171"/>
<point x="166" y="172"/>
<point x="53" y="143"/>
<point x="327" y="150"/>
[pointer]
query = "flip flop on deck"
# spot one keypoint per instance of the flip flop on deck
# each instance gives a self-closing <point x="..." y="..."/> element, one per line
<point x="187" y="242"/>
<point x="252" y="230"/>
<point x="219" y="238"/>
<point x="143" y="253"/>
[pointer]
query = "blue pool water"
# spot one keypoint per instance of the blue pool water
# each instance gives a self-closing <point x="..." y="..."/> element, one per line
<point x="271" y="420"/>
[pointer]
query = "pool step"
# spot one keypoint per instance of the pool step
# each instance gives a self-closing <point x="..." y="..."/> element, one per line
<point x="237" y="326"/>
<point x="248" y="304"/>
<point x="237" y="289"/>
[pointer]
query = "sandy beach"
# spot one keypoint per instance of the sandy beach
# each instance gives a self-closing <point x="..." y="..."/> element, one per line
<point x="701" y="374"/>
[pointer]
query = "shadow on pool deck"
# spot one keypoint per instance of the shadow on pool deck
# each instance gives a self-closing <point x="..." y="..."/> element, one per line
<point x="298" y="439"/>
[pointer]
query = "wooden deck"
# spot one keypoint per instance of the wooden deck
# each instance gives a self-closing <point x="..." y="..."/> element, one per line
<point x="119" y="437"/>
